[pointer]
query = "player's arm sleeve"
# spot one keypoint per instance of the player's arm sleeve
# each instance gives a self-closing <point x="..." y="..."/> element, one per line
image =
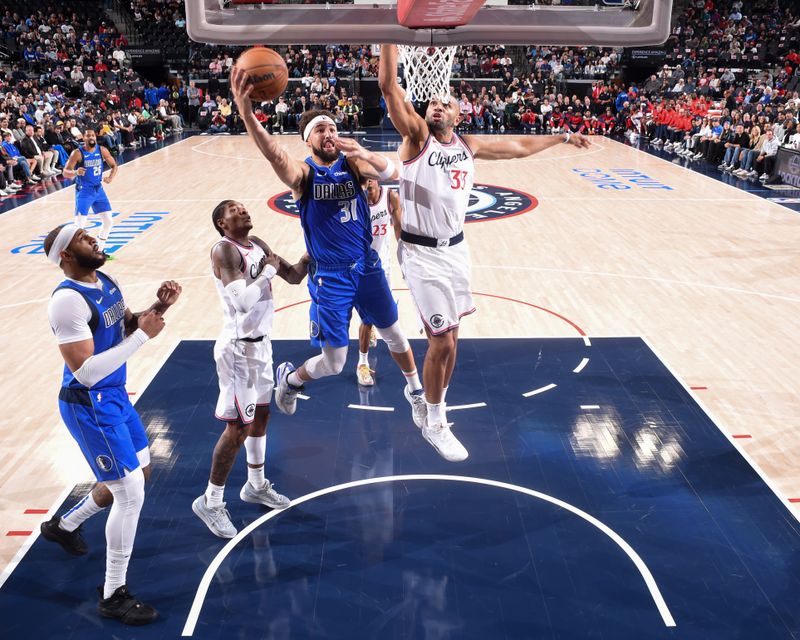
<point x="69" y="316"/>
<point x="242" y="296"/>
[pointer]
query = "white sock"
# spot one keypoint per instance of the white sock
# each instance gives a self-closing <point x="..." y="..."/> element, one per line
<point x="214" y="495"/>
<point x="294" y="380"/>
<point x="435" y="413"/>
<point x="121" y="526"/>
<point x="82" y="511"/>
<point x="362" y="358"/>
<point x="108" y="223"/>
<point x="256" y="449"/>
<point x="412" y="380"/>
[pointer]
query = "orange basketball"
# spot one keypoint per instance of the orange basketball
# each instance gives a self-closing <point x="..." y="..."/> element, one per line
<point x="266" y="71"/>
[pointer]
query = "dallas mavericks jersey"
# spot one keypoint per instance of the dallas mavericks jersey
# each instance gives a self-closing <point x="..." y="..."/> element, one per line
<point x="381" y="225"/>
<point x="93" y="163"/>
<point x="257" y="322"/>
<point x="107" y="325"/>
<point x="334" y="214"/>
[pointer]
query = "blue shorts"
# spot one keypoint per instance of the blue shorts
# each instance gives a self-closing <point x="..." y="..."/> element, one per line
<point x="93" y="198"/>
<point x="337" y="290"/>
<point x="106" y="427"/>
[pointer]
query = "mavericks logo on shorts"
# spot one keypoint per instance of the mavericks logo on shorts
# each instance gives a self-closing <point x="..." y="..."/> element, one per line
<point x="104" y="463"/>
<point x="314" y="329"/>
<point x="486" y="202"/>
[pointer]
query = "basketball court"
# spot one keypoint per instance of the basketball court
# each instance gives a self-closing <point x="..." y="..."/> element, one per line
<point x="627" y="391"/>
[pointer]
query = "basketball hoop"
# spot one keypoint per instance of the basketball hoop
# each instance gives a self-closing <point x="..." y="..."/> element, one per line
<point x="427" y="72"/>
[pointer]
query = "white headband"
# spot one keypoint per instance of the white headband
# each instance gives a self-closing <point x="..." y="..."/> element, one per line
<point x="62" y="241"/>
<point x="314" y="122"/>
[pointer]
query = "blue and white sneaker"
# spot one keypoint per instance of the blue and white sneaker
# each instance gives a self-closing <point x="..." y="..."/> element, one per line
<point x="285" y="394"/>
<point x="419" y="410"/>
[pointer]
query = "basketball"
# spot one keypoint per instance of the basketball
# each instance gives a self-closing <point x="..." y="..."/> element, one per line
<point x="266" y="70"/>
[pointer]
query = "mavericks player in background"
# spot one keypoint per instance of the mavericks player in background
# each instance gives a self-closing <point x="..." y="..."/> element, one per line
<point x="97" y="333"/>
<point x="243" y="267"/>
<point x="384" y="213"/>
<point x="85" y="164"/>
<point x="435" y="185"/>
<point x="345" y="272"/>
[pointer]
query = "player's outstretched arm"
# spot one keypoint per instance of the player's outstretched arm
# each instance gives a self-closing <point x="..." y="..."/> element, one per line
<point x="407" y="121"/>
<point x="292" y="273"/>
<point x="367" y="163"/>
<point x="492" y="149"/>
<point x="69" y="169"/>
<point x="290" y="171"/>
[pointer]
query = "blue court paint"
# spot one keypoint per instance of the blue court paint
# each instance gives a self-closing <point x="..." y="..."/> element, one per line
<point x="430" y="558"/>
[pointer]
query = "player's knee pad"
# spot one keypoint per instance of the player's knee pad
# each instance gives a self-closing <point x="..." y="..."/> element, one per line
<point x="329" y="363"/>
<point x="394" y="338"/>
<point x="128" y="492"/>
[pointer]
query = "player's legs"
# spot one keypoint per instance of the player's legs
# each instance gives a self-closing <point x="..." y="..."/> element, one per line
<point x="244" y="371"/>
<point x="123" y="518"/>
<point x="66" y="529"/>
<point x="83" y="202"/>
<point x="363" y="372"/>
<point x="102" y="207"/>
<point x="332" y="297"/>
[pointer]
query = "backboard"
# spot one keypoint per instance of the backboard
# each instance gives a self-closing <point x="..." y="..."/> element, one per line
<point x="583" y="22"/>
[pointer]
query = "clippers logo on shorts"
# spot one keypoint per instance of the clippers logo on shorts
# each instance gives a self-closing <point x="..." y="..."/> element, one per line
<point x="437" y="321"/>
<point x="486" y="202"/>
<point x="250" y="410"/>
<point x="104" y="463"/>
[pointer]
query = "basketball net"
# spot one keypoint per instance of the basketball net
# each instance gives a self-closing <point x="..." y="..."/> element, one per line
<point x="427" y="72"/>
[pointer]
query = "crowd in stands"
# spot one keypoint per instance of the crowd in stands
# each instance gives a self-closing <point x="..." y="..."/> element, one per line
<point x="68" y="70"/>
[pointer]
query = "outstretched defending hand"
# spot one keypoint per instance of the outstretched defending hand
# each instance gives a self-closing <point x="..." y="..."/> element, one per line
<point x="580" y="141"/>
<point x="168" y="293"/>
<point x="241" y="90"/>
<point x="351" y="148"/>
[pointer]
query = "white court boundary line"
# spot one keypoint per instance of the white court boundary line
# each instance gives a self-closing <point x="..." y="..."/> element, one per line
<point x="205" y="582"/>
<point x="718" y="424"/>
<point x="20" y="554"/>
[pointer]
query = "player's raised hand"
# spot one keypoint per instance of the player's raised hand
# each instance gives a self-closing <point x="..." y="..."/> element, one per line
<point x="580" y="141"/>
<point x="350" y="148"/>
<point x="168" y="293"/>
<point x="240" y="89"/>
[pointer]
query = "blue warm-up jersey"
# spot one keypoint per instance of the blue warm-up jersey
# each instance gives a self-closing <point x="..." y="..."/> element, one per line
<point x="335" y="207"/>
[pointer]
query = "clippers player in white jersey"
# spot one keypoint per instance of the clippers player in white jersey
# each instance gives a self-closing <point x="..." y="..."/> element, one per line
<point x="384" y="213"/>
<point x="435" y="184"/>
<point x="243" y="266"/>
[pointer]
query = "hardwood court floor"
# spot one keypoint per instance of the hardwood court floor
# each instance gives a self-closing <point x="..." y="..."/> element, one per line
<point x="708" y="274"/>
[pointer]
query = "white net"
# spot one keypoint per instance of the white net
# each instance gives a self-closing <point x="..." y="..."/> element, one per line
<point x="427" y="72"/>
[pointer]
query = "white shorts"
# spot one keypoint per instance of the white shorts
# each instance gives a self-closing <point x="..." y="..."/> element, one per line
<point x="244" y="370"/>
<point x="439" y="281"/>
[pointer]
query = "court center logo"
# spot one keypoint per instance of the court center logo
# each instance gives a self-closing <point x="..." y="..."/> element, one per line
<point x="486" y="202"/>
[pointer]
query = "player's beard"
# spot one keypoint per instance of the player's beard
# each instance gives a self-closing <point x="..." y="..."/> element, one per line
<point x="441" y="126"/>
<point x="90" y="262"/>
<point x="325" y="156"/>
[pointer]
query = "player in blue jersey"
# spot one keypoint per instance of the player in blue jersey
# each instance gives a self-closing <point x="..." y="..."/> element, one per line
<point x="86" y="164"/>
<point x="345" y="272"/>
<point x="96" y="334"/>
